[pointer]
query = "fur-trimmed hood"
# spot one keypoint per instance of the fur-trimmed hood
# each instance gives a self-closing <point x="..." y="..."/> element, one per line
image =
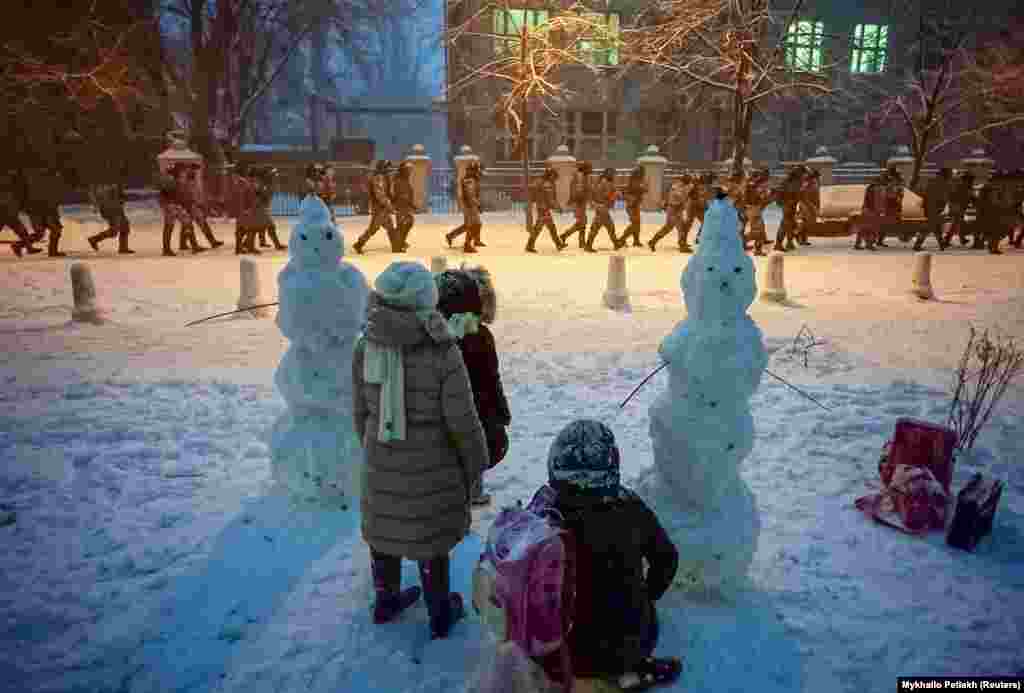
<point x="488" y="295"/>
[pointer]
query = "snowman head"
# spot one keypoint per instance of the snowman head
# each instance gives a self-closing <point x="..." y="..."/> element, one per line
<point x="315" y="241"/>
<point x="718" y="282"/>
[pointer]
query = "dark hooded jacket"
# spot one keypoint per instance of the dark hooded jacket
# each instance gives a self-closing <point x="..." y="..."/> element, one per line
<point x="614" y="620"/>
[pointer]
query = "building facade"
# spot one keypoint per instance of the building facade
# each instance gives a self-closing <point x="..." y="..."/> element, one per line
<point x="860" y="44"/>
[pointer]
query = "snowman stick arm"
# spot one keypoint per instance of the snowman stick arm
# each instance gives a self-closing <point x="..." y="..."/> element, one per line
<point x="642" y="383"/>
<point x="796" y="389"/>
<point x="231" y="312"/>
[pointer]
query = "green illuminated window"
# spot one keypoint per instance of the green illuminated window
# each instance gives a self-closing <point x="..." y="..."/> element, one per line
<point x="510" y="23"/>
<point x="870" y="48"/>
<point x="803" y="46"/>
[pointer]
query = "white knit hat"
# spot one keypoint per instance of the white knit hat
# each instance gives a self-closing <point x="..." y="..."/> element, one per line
<point x="408" y="285"/>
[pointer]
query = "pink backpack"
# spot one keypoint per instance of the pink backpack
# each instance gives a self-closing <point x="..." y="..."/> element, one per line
<point x="523" y="572"/>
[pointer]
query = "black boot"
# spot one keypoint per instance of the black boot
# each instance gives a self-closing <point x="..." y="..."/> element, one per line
<point x="589" y="245"/>
<point x="122" y="244"/>
<point x="168" y="232"/>
<point x="208" y="233"/>
<point x="445" y="608"/>
<point x="278" y="245"/>
<point x="387" y="579"/>
<point x="94" y="241"/>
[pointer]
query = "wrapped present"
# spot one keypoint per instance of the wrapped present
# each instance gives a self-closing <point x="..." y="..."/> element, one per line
<point x="920" y="444"/>
<point x="975" y="509"/>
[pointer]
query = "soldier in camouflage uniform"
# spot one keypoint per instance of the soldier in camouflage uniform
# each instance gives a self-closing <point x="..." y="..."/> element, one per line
<point x="996" y="212"/>
<point x="470" y="198"/>
<point x="872" y="214"/>
<point x="756" y="197"/>
<point x="936" y="197"/>
<point x="894" y="190"/>
<point x="381" y="209"/>
<point x="700" y="197"/>
<point x="108" y="198"/>
<point x="789" y="197"/>
<point x="257" y="219"/>
<point x="579" y="197"/>
<point x="196" y="205"/>
<point x="603" y="199"/>
<point x="675" y="210"/>
<point x="547" y="200"/>
<point x="734" y="189"/>
<point x="172" y="187"/>
<point x="960" y="200"/>
<point x="405" y="204"/>
<point x="12" y="195"/>
<point x="44" y="188"/>
<point x="636" y="189"/>
<point x="810" y="203"/>
<point x="320" y="181"/>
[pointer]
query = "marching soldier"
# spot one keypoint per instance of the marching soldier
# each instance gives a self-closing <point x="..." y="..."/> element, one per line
<point x="872" y="214"/>
<point x="734" y="189"/>
<point x="244" y="192"/>
<point x="381" y="209"/>
<point x="996" y="212"/>
<point x="960" y="200"/>
<point x="320" y="181"/>
<point x="675" y="209"/>
<point x="789" y="198"/>
<point x="756" y="197"/>
<point x="579" y="196"/>
<point x="258" y="219"/>
<point x="12" y="195"/>
<point x="700" y="196"/>
<point x="471" y="224"/>
<point x="196" y="206"/>
<point x="172" y="186"/>
<point x="547" y="200"/>
<point x="636" y="188"/>
<point x="108" y="198"/>
<point x="603" y="199"/>
<point x="44" y="188"/>
<point x="810" y="203"/>
<point x="894" y="190"/>
<point x="405" y="204"/>
<point x="936" y="197"/>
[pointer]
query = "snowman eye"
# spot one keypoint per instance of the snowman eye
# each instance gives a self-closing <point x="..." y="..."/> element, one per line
<point x="330" y="235"/>
<point x="303" y="236"/>
<point x="711" y="269"/>
<point x="737" y="270"/>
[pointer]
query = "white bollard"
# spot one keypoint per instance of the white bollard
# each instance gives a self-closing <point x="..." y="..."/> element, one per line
<point x="84" y="291"/>
<point x="922" y="282"/>
<point x="250" y="293"/>
<point x="616" y="296"/>
<point x="438" y="264"/>
<point x="775" y="282"/>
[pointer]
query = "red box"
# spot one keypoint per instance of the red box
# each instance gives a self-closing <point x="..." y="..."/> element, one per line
<point x="921" y="444"/>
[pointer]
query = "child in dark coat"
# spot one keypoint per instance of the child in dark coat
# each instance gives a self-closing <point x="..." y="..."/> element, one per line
<point x="466" y="299"/>
<point x="614" y="622"/>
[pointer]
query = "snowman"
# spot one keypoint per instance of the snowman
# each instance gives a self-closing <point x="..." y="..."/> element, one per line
<point x="701" y="426"/>
<point x="314" y="451"/>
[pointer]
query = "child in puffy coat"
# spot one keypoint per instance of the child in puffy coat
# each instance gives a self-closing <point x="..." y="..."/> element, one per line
<point x="614" y="622"/>
<point x="467" y="300"/>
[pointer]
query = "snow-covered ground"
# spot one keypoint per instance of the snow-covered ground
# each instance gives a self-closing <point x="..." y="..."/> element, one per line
<point x="116" y="577"/>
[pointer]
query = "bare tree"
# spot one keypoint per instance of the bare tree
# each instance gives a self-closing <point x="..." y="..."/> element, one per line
<point x="522" y="67"/>
<point x="957" y="89"/>
<point x="735" y="48"/>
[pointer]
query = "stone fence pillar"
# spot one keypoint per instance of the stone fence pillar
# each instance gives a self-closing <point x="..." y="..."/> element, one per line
<point x="654" y="165"/>
<point x="823" y="164"/>
<point x="564" y="164"/>
<point x="903" y="162"/>
<point x="979" y="165"/>
<point x="462" y="161"/>
<point x="421" y="167"/>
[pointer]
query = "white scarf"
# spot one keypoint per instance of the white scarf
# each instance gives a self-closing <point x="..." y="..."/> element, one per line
<point x="383" y="365"/>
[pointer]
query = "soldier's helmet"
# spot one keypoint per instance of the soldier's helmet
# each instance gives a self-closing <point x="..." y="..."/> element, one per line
<point x="585" y="167"/>
<point x="609" y="174"/>
<point x="314" y="171"/>
<point x="637" y="172"/>
<point x="383" y="166"/>
<point x="550" y="173"/>
<point x="894" y="173"/>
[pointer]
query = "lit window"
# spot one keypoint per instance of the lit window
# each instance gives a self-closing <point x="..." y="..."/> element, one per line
<point x="510" y="23"/>
<point x="804" y="46"/>
<point x="603" y="48"/>
<point x="870" y="48"/>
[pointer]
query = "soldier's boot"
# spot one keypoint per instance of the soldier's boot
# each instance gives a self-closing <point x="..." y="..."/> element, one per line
<point x="94" y="241"/>
<point x="122" y="243"/>
<point x="759" y="248"/>
<point x="168" y="233"/>
<point x="52" y="250"/>
<point x="938" y="239"/>
<point x="661" y="233"/>
<point x="472" y="238"/>
<point x="192" y="242"/>
<point x="684" y="247"/>
<point x="278" y="245"/>
<point x="979" y="242"/>
<point x="559" y="244"/>
<point x="210" y="238"/>
<point x="803" y="238"/>
<point x="993" y="244"/>
<point x="919" y="242"/>
<point x="589" y="247"/>
<point x="239" y="241"/>
<point x="790" y="245"/>
<point x="361" y="241"/>
<point x="263" y="238"/>
<point x="532" y="240"/>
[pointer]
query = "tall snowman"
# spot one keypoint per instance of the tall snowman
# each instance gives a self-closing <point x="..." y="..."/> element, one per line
<point x="314" y="451"/>
<point x="701" y="426"/>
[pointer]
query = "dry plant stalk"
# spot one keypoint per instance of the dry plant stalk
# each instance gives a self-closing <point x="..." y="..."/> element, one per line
<point x="987" y="367"/>
<point x="803" y="342"/>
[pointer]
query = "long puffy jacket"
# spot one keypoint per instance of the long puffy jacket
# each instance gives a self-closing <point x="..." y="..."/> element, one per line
<point x="415" y="500"/>
<point x="613" y="616"/>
